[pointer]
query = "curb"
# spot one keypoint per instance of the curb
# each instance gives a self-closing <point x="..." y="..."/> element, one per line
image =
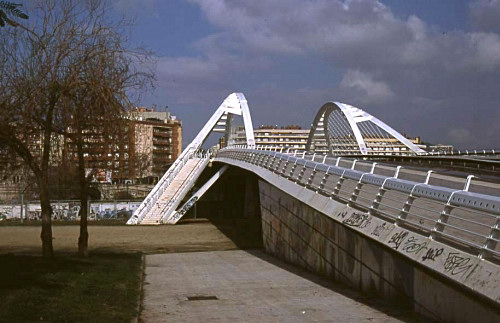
<point x="141" y="282"/>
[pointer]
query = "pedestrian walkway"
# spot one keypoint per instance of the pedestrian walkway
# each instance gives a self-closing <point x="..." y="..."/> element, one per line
<point x="172" y="196"/>
<point x="250" y="286"/>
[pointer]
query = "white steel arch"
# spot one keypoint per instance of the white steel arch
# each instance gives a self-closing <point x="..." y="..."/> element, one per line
<point x="164" y="199"/>
<point x="342" y="129"/>
<point x="221" y="121"/>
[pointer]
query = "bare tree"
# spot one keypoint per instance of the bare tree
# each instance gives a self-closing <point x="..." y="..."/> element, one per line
<point x="143" y="165"/>
<point x="67" y="73"/>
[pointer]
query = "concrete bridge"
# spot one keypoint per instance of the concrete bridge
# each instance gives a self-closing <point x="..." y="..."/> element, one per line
<point x="407" y="234"/>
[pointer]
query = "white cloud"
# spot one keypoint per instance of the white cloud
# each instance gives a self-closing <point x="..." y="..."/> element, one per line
<point x="386" y="64"/>
<point x="353" y="34"/>
<point x="484" y="15"/>
<point x="369" y="90"/>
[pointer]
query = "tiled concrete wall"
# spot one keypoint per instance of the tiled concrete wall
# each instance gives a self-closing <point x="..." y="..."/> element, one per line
<point x="299" y="234"/>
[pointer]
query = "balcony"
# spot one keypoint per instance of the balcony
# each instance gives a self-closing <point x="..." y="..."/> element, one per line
<point x="163" y="134"/>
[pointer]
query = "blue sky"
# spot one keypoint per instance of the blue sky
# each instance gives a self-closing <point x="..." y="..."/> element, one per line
<point x="428" y="68"/>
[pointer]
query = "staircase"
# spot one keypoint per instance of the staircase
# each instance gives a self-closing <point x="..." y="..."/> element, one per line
<point x="172" y="193"/>
<point x="167" y="195"/>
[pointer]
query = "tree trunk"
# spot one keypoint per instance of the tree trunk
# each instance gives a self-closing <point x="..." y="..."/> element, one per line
<point x="46" y="235"/>
<point x="83" y="239"/>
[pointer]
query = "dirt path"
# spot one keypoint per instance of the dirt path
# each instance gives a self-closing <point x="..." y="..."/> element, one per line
<point x="198" y="236"/>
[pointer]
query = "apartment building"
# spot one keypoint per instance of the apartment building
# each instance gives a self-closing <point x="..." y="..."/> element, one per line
<point x="156" y="141"/>
<point x="140" y="150"/>
<point x="144" y="147"/>
<point x="291" y="137"/>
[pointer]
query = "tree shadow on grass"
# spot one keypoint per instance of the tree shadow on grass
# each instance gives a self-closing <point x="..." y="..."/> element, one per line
<point x="102" y="287"/>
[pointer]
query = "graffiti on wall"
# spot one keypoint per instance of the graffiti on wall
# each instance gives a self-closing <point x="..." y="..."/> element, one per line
<point x="69" y="210"/>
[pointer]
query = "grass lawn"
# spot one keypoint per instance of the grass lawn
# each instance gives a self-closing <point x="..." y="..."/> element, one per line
<point x="101" y="288"/>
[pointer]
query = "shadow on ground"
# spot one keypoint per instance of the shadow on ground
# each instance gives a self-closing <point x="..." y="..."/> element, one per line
<point x="245" y="233"/>
<point x="395" y="309"/>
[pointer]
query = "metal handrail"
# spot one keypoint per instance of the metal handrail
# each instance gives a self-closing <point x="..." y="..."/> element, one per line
<point x="486" y="207"/>
<point x="203" y="158"/>
<point x="160" y="187"/>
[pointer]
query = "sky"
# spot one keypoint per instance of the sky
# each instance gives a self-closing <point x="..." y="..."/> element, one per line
<point x="427" y="68"/>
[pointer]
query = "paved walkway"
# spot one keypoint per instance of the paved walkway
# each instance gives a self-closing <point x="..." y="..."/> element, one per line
<point x="249" y="286"/>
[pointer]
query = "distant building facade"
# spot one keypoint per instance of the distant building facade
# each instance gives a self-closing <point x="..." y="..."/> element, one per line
<point x="440" y="148"/>
<point x="290" y="136"/>
<point x="293" y="137"/>
<point x="157" y="141"/>
<point x="147" y="143"/>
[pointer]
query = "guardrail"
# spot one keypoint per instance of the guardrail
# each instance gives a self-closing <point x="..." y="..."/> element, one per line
<point x="451" y="211"/>
<point x="464" y="152"/>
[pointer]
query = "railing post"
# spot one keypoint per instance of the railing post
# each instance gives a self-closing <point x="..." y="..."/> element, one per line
<point x="324" y="179"/>
<point x="311" y="178"/>
<point x="261" y="159"/>
<point x="448" y="207"/>
<point x="467" y="182"/>
<point x="277" y="163"/>
<point x="492" y="239"/>
<point x="409" y="201"/>
<point x="355" y="192"/>
<point x="428" y="177"/>
<point x="381" y="193"/>
<point x="271" y="161"/>
<point x="339" y="184"/>
<point x="301" y="173"/>
<point x="264" y="160"/>
<point x="253" y="157"/>
<point x="293" y="169"/>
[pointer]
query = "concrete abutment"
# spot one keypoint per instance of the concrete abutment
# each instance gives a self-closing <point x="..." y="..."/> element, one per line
<point x="335" y="244"/>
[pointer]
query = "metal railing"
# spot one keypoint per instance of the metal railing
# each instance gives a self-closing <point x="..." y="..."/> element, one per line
<point x="160" y="187"/>
<point x="174" y="201"/>
<point x="461" y="212"/>
<point x="465" y="152"/>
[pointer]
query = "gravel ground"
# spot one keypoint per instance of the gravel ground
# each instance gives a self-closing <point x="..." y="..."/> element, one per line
<point x="195" y="236"/>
